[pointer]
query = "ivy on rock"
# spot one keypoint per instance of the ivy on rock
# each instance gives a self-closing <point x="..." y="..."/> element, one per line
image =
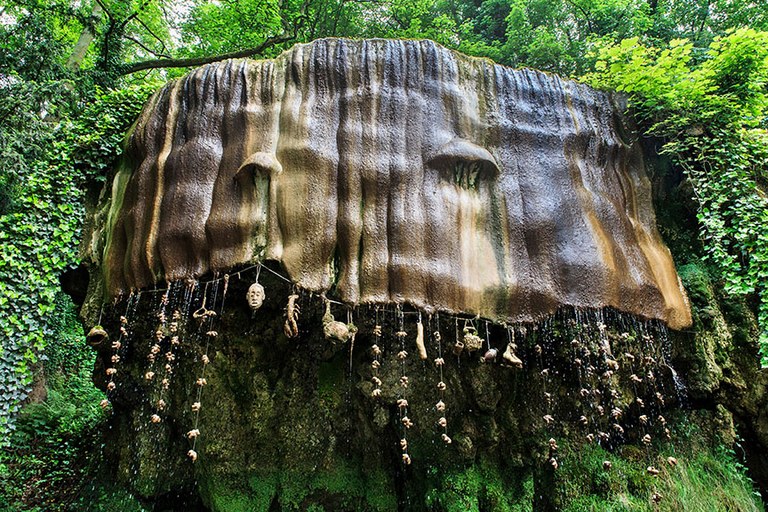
<point x="40" y="228"/>
<point x="711" y="112"/>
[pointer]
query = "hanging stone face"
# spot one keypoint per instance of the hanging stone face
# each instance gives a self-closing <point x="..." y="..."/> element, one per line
<point x="393" y="171"/>
<point x="255" y="296"/>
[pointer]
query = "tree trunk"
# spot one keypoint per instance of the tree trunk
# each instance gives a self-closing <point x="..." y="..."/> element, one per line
<point x="85" y="39"/>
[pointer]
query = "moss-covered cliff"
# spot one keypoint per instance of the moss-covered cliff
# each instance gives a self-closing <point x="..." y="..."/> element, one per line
<point x="306" y="403"/>
<point x="291" y="423"/>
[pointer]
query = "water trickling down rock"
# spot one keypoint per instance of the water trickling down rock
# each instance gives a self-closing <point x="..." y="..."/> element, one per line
<point x="393" y="171"/>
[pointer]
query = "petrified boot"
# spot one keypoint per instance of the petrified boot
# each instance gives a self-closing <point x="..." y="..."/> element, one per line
<point x="510" y="357"/>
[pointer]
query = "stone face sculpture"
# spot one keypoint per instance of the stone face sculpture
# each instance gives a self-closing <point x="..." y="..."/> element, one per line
<point x="396" y="171"/>
<point x="255" y="296"/>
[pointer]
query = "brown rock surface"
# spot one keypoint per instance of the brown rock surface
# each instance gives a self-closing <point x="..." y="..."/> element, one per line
<point x="396" y="171"/>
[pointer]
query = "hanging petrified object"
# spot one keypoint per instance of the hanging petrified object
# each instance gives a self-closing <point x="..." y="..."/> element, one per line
<point x="402" y="402"/>
<point x="376" y="352"/>
<point x="334" y="330"/>
<point x="255" y="296"/>
<point x="420" y="340"/>
<point x="440" y="405"/>
<point x="510" y="357"/>
<point x="96" y="337"/>
<point x="202" y="313"/>
<point x="490" y="355"/>
<point x="291" y="327"/>
<point x="472" y="341"/>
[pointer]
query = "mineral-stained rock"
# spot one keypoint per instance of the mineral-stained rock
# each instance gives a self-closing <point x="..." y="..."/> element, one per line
<point x="392" y="171"/>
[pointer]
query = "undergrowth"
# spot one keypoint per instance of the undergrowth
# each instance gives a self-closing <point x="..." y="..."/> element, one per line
<point x="52" y="461"/>
<point x="701" y="476"/>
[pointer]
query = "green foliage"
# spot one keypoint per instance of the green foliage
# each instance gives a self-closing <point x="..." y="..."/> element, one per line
<point x="481" y="487"/>
<point x="712" y="114"/>
<point x="227" y="26"/>
<point x="703" y="479"/>
<point x="50" y="462"/>
<point x="341" y="486"/>
<point x="558" y="35"/>
<point x="40" y="229"/>
<point x="35" y="37"/>
<point x="550" y="35"/>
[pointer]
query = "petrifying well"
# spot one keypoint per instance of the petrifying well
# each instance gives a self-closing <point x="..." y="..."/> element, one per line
<point x="392" y="171"/>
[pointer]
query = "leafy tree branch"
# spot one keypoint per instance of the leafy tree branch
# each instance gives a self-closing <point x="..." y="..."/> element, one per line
<point x="200" y="61"/>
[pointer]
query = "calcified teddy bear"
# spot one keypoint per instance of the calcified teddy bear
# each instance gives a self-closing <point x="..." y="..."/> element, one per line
<point x="393" y="171"/>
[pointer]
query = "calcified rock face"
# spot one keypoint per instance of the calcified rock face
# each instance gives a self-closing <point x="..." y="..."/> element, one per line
<point x="396" y="171"/>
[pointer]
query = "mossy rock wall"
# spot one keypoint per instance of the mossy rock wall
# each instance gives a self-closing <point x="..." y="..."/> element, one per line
<point x="291" y="424"/>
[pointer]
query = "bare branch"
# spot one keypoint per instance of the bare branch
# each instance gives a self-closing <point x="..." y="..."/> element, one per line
<point x="147" y="49"/>
<point x="104" y="8"/>
<point x="146" y="27"/>
<point x="585" y="12"/>
<point x="290" y="33"/>
<point x="199" y="61"/>
<point x="134" y="14"/>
